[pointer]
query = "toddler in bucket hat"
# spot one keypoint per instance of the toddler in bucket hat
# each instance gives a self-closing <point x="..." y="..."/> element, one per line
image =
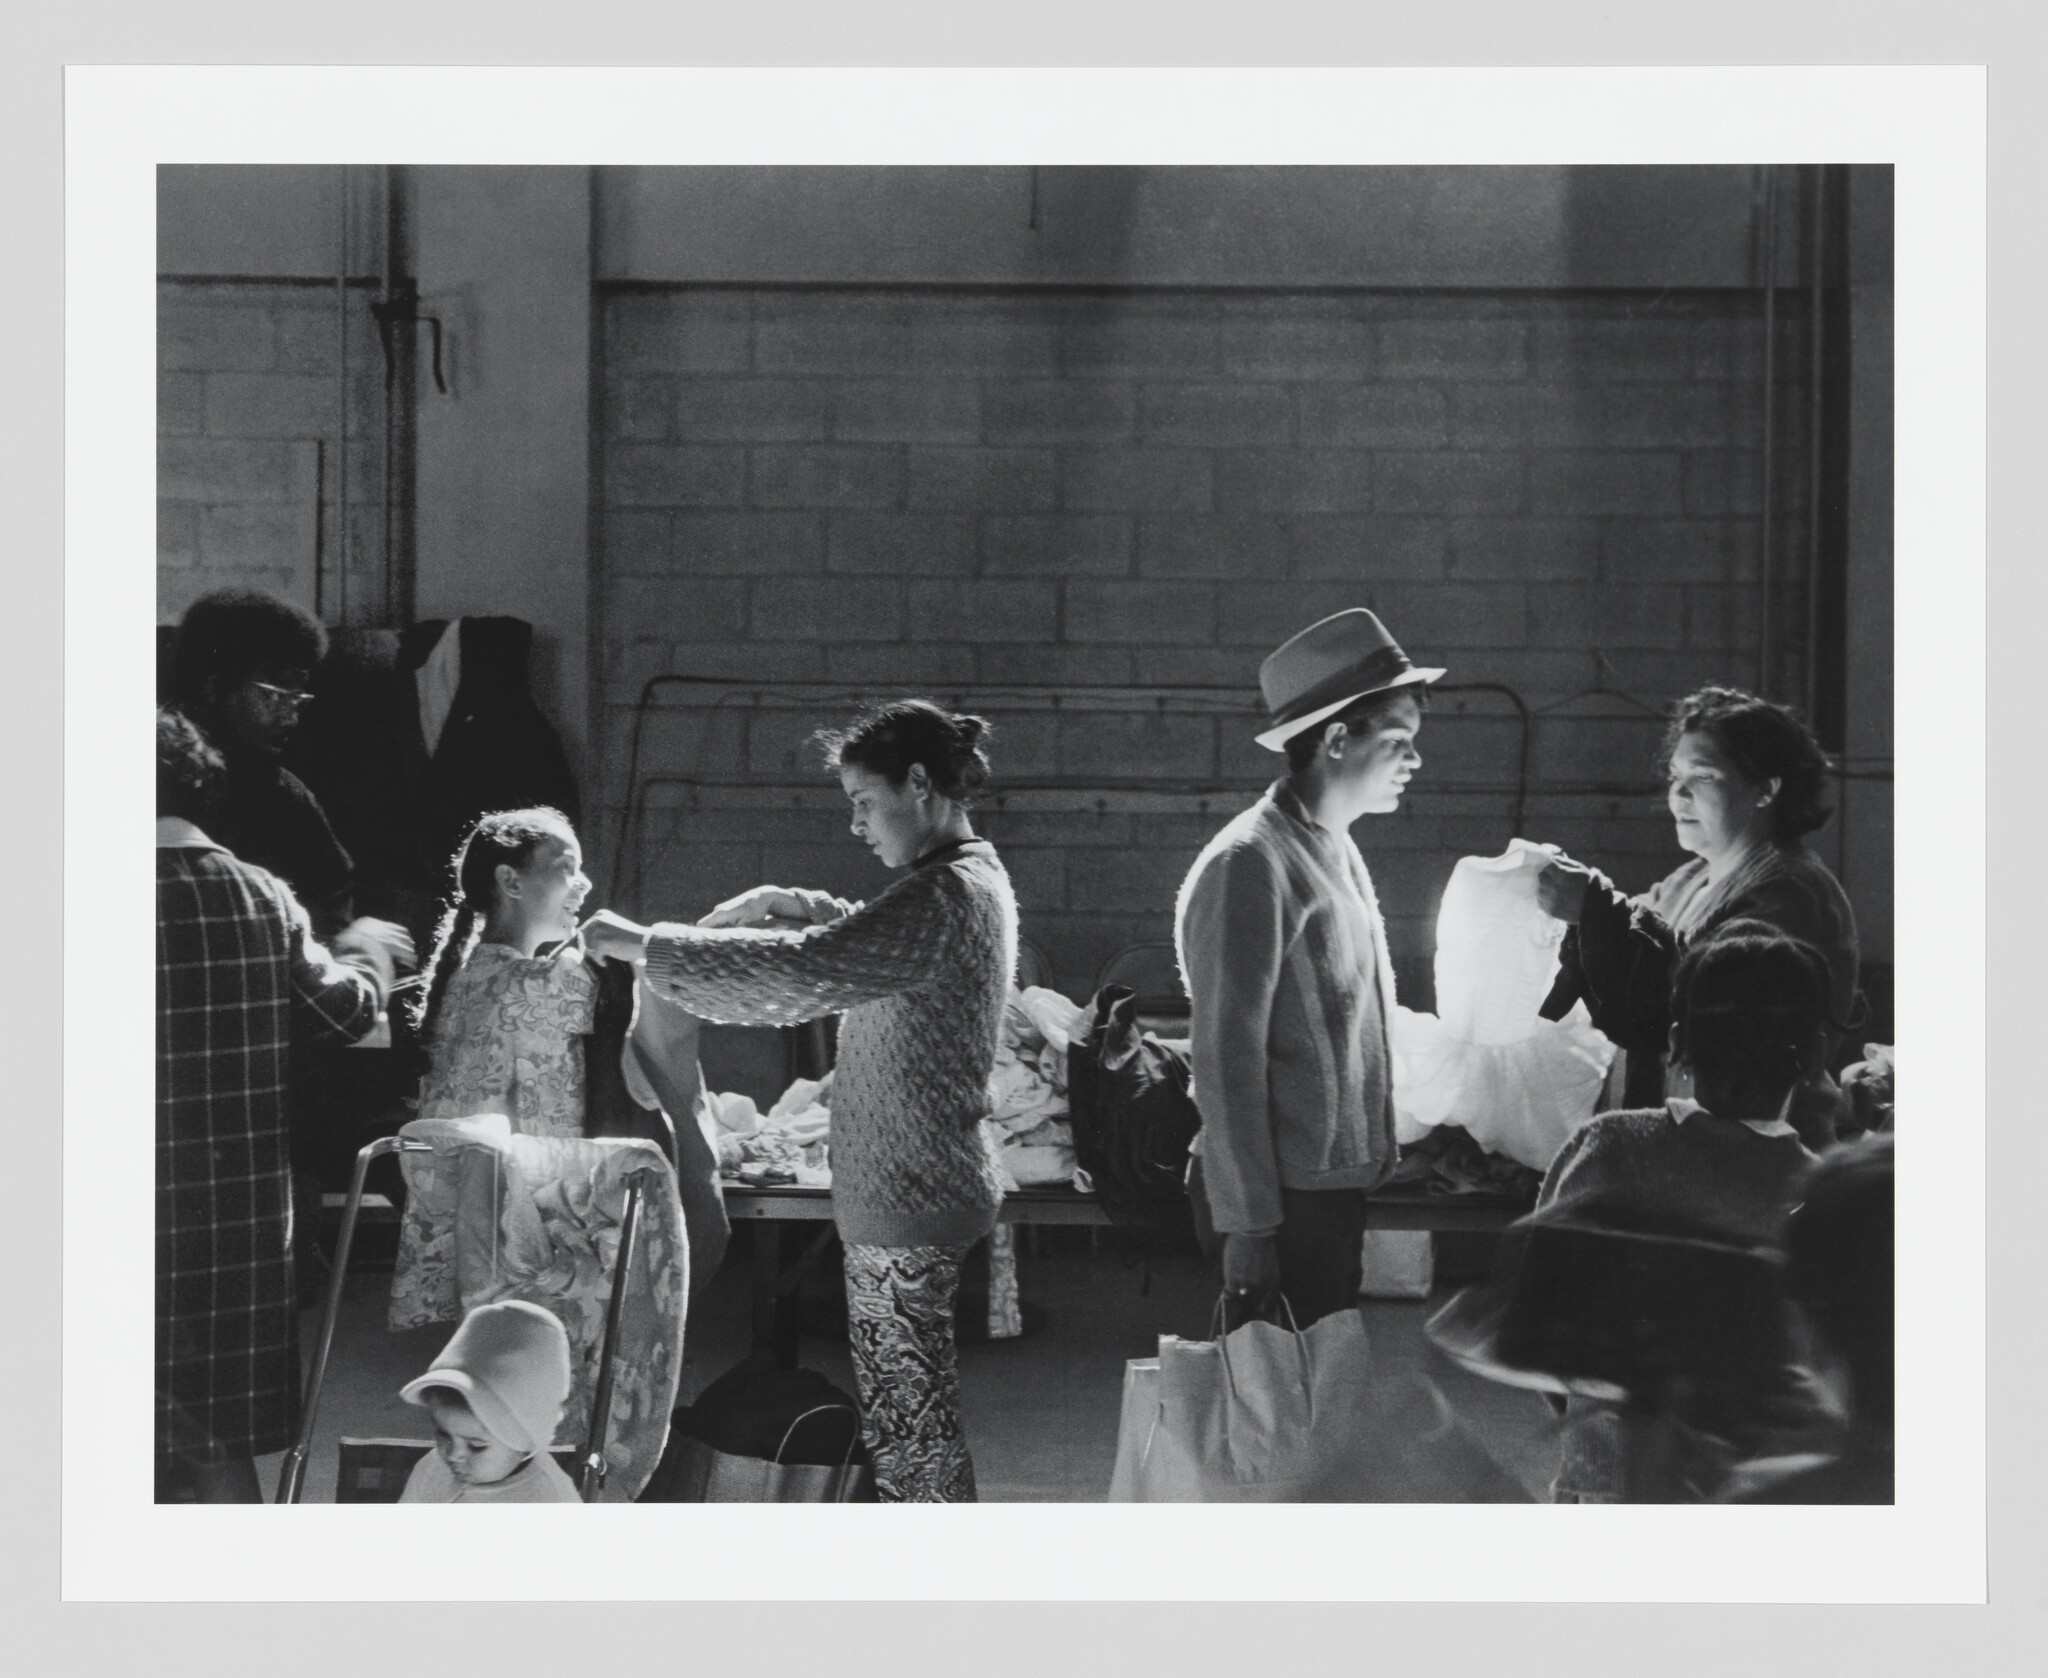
<point x="496" y="1394"/>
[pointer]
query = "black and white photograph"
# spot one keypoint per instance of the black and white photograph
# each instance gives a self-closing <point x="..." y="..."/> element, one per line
<point x="1368" y="692"/>
<point x="1028" y="833"/>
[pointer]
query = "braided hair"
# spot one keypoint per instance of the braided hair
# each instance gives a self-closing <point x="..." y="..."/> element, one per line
<point x="505" y="836"/>
<point x="1747" y="1004"/>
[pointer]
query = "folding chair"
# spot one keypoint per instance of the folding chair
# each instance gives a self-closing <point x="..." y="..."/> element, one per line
<point x="367" y="1466"/>
<point x="1034" y="970"/>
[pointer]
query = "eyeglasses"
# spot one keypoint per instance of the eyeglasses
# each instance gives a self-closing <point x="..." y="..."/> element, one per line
<point x="283" y="699"/>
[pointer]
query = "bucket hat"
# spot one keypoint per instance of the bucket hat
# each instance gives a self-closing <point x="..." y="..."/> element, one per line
<point x="510" y="1359"/>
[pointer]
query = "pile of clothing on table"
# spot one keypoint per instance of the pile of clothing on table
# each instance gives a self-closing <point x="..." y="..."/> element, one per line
<point x="1449" y="1160"/>
<point x="790" y="1143"/>
<point x="1027" y="1124"/>
<point x="1028" y="1088"/>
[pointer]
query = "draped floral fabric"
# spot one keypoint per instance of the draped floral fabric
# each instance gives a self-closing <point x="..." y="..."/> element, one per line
<point x="509" y="1040"/>
<point x="492" y="1215"/>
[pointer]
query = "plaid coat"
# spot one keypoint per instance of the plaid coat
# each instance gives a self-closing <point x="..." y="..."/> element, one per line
<point x="239" y="978"/>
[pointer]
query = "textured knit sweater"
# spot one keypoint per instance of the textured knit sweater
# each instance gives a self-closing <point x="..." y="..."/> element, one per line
<point x="1676" y="1170"/>
<point x="1287" y="970"/>
<point x="921" y="973"/>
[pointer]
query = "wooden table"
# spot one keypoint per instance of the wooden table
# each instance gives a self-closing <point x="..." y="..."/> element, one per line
<point x="776" y="1284"/>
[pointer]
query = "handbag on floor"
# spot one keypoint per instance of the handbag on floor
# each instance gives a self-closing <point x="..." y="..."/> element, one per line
<point x="759" y="1434"/>
<point x="1267" y="1414"/>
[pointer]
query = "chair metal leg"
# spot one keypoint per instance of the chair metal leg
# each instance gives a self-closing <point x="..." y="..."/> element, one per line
<point x="291" y="1474"/>
<point x="594" y="1465"/>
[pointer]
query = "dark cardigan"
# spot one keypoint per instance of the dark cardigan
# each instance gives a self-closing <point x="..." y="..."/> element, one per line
<point x="1622" y="955"/>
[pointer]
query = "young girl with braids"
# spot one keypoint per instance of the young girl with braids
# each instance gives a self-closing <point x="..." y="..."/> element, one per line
<point x="504" y="1024"/>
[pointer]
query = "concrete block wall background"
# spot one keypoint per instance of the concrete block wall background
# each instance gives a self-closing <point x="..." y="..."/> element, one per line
<point x="922" y="490"/>
<point x="249" y="427"/>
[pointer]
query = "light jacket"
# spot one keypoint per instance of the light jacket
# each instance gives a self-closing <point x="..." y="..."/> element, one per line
<point x="1285" y="961"/>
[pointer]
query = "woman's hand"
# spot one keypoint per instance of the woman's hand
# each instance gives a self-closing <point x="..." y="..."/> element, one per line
<point x="613" y="936"/>
<point x="386" y="945"/>
<point x="1561" y="889"/>
<point x="763" y="906"/>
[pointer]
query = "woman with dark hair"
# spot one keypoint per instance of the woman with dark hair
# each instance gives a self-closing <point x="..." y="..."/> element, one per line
<point x="922" y="972"/>
<point x="1747" y="783"/>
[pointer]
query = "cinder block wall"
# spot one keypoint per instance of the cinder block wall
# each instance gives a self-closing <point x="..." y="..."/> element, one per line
<point x="932" y="491"/>
<point x="248" y="425"/>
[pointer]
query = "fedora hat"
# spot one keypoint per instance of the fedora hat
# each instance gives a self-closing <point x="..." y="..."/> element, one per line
<point x="1328" y="665"/>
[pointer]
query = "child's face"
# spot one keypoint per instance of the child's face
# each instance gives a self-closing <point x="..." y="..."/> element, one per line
<point x="553" y="887"/>
<point x="474" y="1455"/>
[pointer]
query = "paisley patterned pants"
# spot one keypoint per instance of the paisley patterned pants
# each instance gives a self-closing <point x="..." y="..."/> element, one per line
<point x="899" y="1305"/>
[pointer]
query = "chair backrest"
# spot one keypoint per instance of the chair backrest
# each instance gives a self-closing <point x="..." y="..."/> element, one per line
<point x="1034" y="971"/>
<point x="1152" y="970"/>
<point x="375" y="1470"/>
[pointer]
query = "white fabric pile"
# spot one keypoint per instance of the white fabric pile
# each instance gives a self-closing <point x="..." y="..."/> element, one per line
<point x="1027" y="1126"/>
<point x="794" y="1134"/>
<point x="1486" y="1060"/>
<point x="1028" y="1089"/>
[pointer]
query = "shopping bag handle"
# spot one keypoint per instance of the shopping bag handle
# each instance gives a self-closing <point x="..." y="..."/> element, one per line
<point x="1308" y="1373"/>
<point x="846" y="1464"/>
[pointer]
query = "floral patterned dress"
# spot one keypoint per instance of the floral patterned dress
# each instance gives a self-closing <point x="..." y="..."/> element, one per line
<point x="510" y="1040"/>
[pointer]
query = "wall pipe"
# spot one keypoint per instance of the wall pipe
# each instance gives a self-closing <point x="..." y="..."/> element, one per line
<point x="1204" y="699"/>
<point x="1816" y="269"/>
<point x="320" y="528"/>
<point x="1765" y="581"/>
<point x="391" y="617"/>
<point x="341" y="405"/>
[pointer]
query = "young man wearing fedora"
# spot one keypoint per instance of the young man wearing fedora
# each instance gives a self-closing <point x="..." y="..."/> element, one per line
<point x="1285" y="959"/>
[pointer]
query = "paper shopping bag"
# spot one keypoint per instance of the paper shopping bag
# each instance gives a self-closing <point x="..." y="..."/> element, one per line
<point x="700" y="1473"/>
<point x="1270" y="1415"/>
<point x="1153" y="1465"/>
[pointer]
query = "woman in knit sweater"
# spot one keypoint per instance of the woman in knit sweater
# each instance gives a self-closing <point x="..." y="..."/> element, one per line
<point x="1748" y="782"/>
<point x="921" y="973"/>
<point x="1751" y="1022"/>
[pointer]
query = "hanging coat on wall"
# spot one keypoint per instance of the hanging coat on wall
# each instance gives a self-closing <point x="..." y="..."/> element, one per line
<point x="400" y="803"/>
<point x="496" y="751"/>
